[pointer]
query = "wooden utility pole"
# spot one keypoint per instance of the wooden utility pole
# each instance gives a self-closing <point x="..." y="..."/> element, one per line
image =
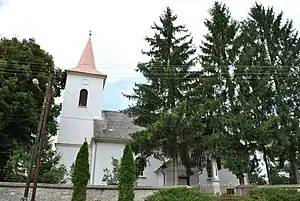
<point x="38" y="164"/>
<point x="33" y="154"/>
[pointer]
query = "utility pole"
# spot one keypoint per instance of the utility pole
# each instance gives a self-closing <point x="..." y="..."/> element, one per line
<point x="33" y="154"/>
<point x="48" y="100"/>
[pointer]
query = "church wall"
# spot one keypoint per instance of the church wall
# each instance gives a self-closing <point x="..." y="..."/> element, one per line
<point x="104" y="153"/>
<point x="106" y="150"/>
<point x="150" y="177"/>
<point x="68" y="154"/>
<point x="76" y="122"/>
<point x="194" y="179"/>
<point x="225" y="176"/>
<point x="74" y="131"/>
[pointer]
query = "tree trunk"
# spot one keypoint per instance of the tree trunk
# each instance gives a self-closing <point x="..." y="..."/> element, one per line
<point x="241" y="179"/>
<point x="175" y="169"/>
<point x="295" y="168"/>
<point x="267" y="167"/>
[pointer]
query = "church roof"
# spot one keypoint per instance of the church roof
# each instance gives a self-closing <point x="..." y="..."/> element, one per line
<point x="86" y="63"/>
<point x="115" y="125"/>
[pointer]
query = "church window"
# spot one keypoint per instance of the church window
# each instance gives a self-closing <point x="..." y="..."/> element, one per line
<point x="83" y="97"/>
<point x="141" y="173"/>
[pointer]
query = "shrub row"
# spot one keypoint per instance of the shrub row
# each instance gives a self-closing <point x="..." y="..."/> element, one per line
<point x="186" y="194"/>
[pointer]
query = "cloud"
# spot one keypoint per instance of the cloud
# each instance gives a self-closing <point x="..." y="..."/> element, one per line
<point x="3" y="3"/>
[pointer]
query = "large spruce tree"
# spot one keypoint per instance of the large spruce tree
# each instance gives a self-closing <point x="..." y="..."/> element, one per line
<point x="269" y="58"/>
<point x="171" y="56"/>
<point x="223" y="118"/>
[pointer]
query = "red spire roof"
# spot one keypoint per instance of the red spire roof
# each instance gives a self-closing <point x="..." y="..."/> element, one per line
<point x="86" y="63"/>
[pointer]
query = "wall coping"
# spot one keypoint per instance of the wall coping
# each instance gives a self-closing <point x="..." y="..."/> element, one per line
<point x="69" y="186"/>
<point x="268" y="186"/>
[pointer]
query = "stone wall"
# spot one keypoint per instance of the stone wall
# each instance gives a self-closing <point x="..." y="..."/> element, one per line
<point x="48" y="192"/>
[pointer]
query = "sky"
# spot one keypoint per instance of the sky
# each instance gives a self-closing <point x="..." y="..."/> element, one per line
<point x="61" y="27"/>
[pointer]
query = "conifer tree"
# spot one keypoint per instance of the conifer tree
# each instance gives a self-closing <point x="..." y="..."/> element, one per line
<point x="127" y="176"/>
<point x="270" y="50"/>
<point x="81" y="174"/>
<point x="221" y="117"/>
<point x="167" y="72"/>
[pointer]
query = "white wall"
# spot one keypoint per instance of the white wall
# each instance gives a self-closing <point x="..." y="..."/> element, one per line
<point x="225" y="176"/>
<point x="76" y="123"/>
<point x="194" y="179"/>
<point x="150" y="177"/>
<point x="68" y="154"/>
<point x="106" y="150"/>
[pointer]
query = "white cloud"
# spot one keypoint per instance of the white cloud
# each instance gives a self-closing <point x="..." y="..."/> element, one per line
<point x="118" y="27"/>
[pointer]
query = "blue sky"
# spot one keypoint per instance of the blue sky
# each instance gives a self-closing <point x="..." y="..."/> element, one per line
<point x="112" y="96"/>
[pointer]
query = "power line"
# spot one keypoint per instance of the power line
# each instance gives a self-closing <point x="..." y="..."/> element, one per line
<point x="109" y="65"/>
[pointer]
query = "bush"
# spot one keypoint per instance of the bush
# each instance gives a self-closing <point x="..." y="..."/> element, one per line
<point x="226" y="197"/>
<point x="81" y="174"/>
<point x="274" y="194"/>
<point x="126" y="176"/>
<point x="178" y="194"/>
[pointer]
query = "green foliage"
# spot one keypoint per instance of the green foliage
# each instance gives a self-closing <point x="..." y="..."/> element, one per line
<point x="274" y="194"/>
<point x="255" y="177"/>
<point x="111" y="177"/>
<point x="171" y="55"/>
<point x="126" y="176"/>
<point x="178" y="194"/>
<point x="20" y="100"/>
<point x="81" y="174"/>
<point x="226" y="197"/>
<point x="51" y="171"/>
<point x="243" y="100"/>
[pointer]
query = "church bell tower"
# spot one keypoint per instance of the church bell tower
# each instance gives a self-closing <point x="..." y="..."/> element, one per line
<point x="82" y="103"/>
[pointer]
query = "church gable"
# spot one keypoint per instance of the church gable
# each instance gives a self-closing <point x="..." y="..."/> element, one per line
<point x="115" y="125"/>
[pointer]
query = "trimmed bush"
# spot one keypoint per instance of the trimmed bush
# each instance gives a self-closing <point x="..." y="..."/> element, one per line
<point x="178" y="194"/>
<point x="81" y="174"/>
<point x="126" y="176"/>
<point x="226" y="197"/>
<point x="274" y="194"/>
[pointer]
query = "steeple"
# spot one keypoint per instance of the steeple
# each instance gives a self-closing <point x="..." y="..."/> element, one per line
<point x="86" y="63"/>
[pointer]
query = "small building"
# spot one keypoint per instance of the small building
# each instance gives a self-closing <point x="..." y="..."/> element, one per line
<point x="107" y="132"/>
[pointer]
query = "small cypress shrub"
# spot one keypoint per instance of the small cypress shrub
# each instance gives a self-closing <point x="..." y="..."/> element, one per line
<point x="127" y="176"/>
<point x="81" y="174"/>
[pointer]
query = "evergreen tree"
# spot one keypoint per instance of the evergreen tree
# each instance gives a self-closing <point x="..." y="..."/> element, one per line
<point x="222" y="119"/>
<point x="269" y="60"/>
<point x="81" y="173"/>
<point x="167" y="73"/>
<point x="126" y="176"/>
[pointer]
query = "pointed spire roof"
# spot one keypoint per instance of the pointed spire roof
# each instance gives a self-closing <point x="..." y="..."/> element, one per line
<point x="86" y="63"/>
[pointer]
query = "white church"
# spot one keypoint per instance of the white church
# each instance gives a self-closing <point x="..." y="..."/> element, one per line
<point x="107" y="132"/>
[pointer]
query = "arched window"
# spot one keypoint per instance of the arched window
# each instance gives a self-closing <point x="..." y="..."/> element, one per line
<point x="83" y="96"/>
